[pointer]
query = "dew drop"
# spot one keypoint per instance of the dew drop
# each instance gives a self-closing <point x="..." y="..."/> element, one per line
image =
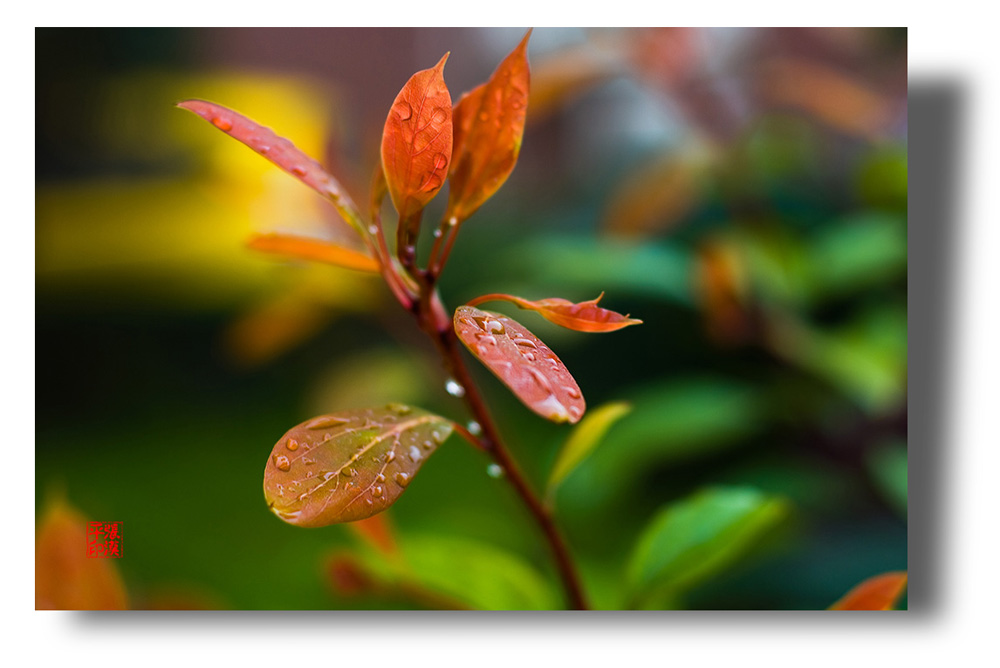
<point x="399" y="409"/>
<point x="437" y="233"/>
<point x="440" y="160"/>
<point x="303" y="495"/>
<point x="373" y="229"/>
<point x="308" y="462"/>
<point x="433" y="182"/>
<point x="326" y="421"/>
<point x="454" y="388"/>
<point x="369" y="502"/>
<point x="380" y="478"/>
<point x="222" y="124"/>
<point x="415" y="453"/>
<point x="439" y="116"/>
<point x="474" y="428"/>
<point x="526" y="343"/>
<point x="495" y="327"/>
<point x="377" y="491"/>
<point x="494" y="471"/>
<point x="282" y="462"/>
<point x="487" y="339"/>
<point x="299" y="170"/>
<point x="402" y="479"/>
<point x="572" y="392"/>
<point x="575" y="412"/>
<point x="328" y="475"/>
<point x="347" y="473"/>
<point x="439" y="436"/>
<point x="292" y="444"/>
<point x="529" y="357"/>
<point x="264" y="149"/>
<point x="389" y="456"/>
<point x="403" y="111"/>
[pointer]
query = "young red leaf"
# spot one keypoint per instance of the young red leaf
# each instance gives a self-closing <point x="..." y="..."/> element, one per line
<point x="417" y="141"/>
<point x="349" y="465"/>
<point x="876" y="593"/>
<point x="280" y="151"/>
<point x="490" y="121"/>
<point x="583" y="317"/>
<point x="522" y="362"/>
<point x="317" y="250"/>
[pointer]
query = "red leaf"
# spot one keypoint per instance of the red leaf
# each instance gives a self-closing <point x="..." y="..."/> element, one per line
<point x="316" y="250"/>
<point x="583" y="317"/>
<point x="490" y="124"/>
<point x="278" y="150"/>
<point x="522" y="362"/>
<point x="417" y="141"/>
<point x="876" y="593"/>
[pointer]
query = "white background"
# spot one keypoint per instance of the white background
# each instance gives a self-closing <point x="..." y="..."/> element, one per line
<point x="953" y="42"/>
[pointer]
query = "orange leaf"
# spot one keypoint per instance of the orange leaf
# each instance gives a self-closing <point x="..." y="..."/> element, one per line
<point x="280" y="151"/>
<point x="522" y="362"/>
<point x="583" y="317"/>
<point x="876" y="593"/>
<point x="490" y="121"/>
<point x="65" y="578"/>
<point x="316" y="250"/>
<point x="417" y="141"/>
<point x="376" y="531"/>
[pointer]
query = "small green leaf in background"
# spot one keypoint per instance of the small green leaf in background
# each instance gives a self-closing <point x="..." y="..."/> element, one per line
<point x="887" y="464"/>
<point x="698" y="537"/>
<point x="459" y="572"/>
<point x="350" y="465"/>
<point x="585" y="437"/>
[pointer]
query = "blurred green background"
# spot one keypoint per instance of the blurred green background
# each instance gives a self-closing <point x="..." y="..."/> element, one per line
<point x="742" y="191"/>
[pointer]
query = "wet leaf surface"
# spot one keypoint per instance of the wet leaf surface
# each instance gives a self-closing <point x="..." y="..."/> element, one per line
<point x="522" y="362"/>
<point x="876" y="593"/>
<point x="350" y="465"/>
<point x="583" y="317"/>
<point x="278" y="150"/>
<point x="489" y="123"/>
<point x="417" y="141"/>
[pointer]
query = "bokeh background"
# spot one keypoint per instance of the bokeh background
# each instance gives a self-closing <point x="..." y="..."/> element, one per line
<point x="742" y="191"/>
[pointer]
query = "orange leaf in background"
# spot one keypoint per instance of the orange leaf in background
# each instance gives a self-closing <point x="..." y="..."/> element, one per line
<point x="278" y="150"/>
<point x="876" y="593"/>
<point x="377" y="531"/>
<point x="522" y="362"/>
<point x="65" y="579"/>
<point x="317" y="250"/>
<point x="417" y="141"/>
<point x="490" y="122"/>
<point x="583" y="317"/>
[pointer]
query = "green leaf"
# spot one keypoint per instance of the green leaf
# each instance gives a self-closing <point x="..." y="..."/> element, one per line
<point x="693" y="539"/>
<point x="349" y="465"/>
<point x="887" y="464"/>
<point x="585" y="437"/>
<point x="480" y="575"/>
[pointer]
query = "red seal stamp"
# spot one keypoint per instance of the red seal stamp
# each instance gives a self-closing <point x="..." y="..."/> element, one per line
<point x="104" y="540"/>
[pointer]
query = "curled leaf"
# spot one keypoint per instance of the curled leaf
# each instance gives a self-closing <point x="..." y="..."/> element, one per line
<point x="280" y="151"/>
<point x="317" y="250"/>
<point x="350" y="465"/>
<point x="583" y="317"/>
<point x="489" y="126"/>
<point x="417" y="141"/>
<point x="880" y="592"/>
<point x="522" y="362"/>
<point x="585" y="437"/>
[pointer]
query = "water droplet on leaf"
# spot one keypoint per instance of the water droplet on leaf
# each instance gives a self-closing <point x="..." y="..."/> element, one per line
<point x="415" y="453"/>
<point x="222" y="124"/>
<point x="454" y="388"/>
<point x="494" y="471"/>
<point x="402" y="479"/>
<point x="292" y="444"/>
<point x="474" y="428"/>
<point x="403" y="111"/>
<point x="282" y="462"/>
<point x="440" y="160"/>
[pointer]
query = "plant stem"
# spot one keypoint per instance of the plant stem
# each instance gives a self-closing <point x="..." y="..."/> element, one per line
<point x="443" y="335"/>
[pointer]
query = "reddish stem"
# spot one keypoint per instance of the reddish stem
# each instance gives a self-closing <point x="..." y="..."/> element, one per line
<point x="443" y="335"/>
